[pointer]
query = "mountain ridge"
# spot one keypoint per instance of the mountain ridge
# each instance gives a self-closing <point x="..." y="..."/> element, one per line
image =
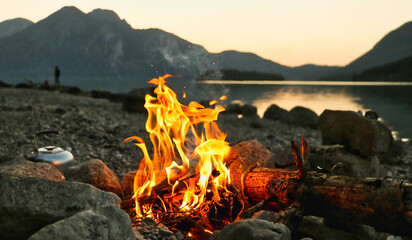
<point x="12" y="26"/>
<point x="99" y="49"/>
<point x="394" y="46"/>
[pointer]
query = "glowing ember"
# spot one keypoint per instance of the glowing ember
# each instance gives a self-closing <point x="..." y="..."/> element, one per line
<point x="189" y="150"/>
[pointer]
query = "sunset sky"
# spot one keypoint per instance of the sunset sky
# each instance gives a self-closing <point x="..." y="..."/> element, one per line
<point x="296" y="32"/>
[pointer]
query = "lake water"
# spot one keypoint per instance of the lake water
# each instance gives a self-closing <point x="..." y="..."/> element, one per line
<point x="392" y="100"/>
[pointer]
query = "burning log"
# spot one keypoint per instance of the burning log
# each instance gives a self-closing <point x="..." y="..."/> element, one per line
<point x="385" y="204"/>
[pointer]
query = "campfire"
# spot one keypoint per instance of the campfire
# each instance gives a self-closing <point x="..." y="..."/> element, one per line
<point x="186" y="176"/>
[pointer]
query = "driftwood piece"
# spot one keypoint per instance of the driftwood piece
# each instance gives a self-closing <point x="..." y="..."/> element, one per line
<point x="382" y="203"/>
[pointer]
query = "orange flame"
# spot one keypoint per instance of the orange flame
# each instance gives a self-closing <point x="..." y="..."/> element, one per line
<point x="187" y="142"/>
<point x="222" y="98"/>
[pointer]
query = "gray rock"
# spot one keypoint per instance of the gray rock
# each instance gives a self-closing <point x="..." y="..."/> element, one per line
<point x="396" y="150"/>
<point x="338" y="160"/>
<point x="302" y="116"/>
<point x="109" y="223"/>
<point x="319" y="229"/>
<point x="164" y="232"/>
<point x="96" y="173"/>
<point x="28" y="204"/>
<point x="270" y="216"/>
<point x="274" y="112"/>
<point x="359" y="134"/>
<point x="252" y="229"/>
<point x="179" y="236"/>
<point x="24" y="168"/>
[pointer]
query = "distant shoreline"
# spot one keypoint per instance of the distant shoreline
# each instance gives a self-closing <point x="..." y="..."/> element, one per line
<point x="297" y="82"/>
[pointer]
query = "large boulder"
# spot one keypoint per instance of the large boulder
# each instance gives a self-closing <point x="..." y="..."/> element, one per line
<point x="105" y="223"/>
<point x="361" y="135"/>
<point x="28" y="204"/>
<point x="274" y="112"/>
<point x="302" y="116"/>
<point x="338" y="160"/>
<point x="96" y="173"/>
<point x="24" y="168"/>
<point x="252" y="229"/>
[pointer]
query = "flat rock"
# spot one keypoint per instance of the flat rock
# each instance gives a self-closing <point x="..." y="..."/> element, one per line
<point x="338" y="160"/>
<point x="252" y="229"/>
<point x="28" y="204"/>
<point x="302" y="116"/>
<point x="361" y="135"/>
<point x="103" y="223"/>
<point x="24" y="168"/>
<point x="96" y="173"/>
<point x="274" y="112"/>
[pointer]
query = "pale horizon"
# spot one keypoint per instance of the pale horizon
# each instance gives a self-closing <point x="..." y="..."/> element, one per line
<point x="296" y="33"/>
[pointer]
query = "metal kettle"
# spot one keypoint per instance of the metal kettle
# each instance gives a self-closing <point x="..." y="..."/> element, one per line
<point x="56" y="156"/>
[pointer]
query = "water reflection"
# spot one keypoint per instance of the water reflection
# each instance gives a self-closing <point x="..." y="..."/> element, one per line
<point x="392" y="102"/>
<point x="288" y="98"/>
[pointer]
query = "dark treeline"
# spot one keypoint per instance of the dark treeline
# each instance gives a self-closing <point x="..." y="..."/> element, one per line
<point x="400" y="71"/>
<point x="233" y="74"/>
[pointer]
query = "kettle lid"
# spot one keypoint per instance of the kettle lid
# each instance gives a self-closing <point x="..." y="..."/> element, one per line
<point x="50" y="150"/>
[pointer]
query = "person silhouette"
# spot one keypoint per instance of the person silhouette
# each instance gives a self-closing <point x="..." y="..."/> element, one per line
<point x="56" y="75"/>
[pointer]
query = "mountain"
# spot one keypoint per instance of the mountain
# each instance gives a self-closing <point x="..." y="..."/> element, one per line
<point x="400" y="71"/>
<point x="245" y="61"/>
<point x="9" y="27"/>
<point x="98" y="49"/>
<point x="233" y="74"/>
<point x="394" y="46"/>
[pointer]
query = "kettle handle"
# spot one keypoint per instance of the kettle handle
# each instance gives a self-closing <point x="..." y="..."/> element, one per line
<point x="48" y="132"/>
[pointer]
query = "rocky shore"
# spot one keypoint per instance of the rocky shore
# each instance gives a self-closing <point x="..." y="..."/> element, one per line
<point x="94" y="125"/>
<point x="96" y="128"/>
